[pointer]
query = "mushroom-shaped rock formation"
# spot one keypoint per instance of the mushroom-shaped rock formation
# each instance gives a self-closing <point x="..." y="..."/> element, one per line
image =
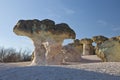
<point x="109" y="51"/>
<point x="99" y="39"/>
<point x="88" y="49"/>
<point x="46" y="36"/>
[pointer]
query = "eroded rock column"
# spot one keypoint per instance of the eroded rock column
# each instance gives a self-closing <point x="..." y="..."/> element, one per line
<point x="87" y="46"/>
<point x="54" y="49"/>
<point x="39" y="54"/>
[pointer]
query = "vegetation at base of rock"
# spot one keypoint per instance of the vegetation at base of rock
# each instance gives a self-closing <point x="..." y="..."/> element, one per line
<point x="11" y="55"/>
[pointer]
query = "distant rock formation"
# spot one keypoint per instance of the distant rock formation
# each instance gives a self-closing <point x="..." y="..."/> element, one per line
<point x="99" y="40"/>
<point x="46" y="36"/>
<point x="88" y="49"/>
<point x="115" y="38"/>
<point x="109" y="51"/>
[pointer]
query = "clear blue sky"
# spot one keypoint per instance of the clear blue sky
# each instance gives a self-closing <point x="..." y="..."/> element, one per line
<point x="87" y="17"/>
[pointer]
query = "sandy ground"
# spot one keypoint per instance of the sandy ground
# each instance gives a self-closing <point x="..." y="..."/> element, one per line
<point x="90" y="68"/>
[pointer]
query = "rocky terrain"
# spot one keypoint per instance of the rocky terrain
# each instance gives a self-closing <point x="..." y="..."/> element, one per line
<point x="90" y="68"/>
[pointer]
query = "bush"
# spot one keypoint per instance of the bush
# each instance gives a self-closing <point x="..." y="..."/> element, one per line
<point x="11" y="55"/>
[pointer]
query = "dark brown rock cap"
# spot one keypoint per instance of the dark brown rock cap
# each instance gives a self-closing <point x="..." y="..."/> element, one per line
<point x="35" y="26"/>
<point x="86" y="41"/>
<point x="99" y="39"/>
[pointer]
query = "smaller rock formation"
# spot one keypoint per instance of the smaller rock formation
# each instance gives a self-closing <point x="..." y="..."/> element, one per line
<point x="99" y="40"/>
<point x="88" y="49"/>
<point x="78" y="45"/>
<point x="109" y="51"/>
<point x="117" y="38"/>
<point x="71" y="54"/>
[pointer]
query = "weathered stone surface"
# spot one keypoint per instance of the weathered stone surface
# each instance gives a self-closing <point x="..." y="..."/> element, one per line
<point x="39" y="54"/>
<point x="109" y="51"/>
<point x="46" y="36"/>
<point x="78" y="45"/>
<point x="88" y="49"/>
<point x="115" y="38"/>
<point x="99" y="39"/>
<point x="71" y="54"/>
<point x="67" y="54"/>
<point x="48" y="28"/>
